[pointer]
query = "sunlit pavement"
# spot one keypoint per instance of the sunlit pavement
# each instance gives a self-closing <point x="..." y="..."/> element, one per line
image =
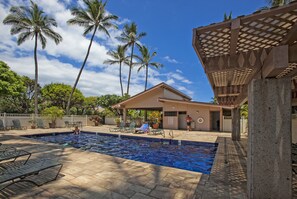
<point x="93" y="175"/>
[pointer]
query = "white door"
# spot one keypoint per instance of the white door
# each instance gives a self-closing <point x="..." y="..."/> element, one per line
<point x="182" y="120"/>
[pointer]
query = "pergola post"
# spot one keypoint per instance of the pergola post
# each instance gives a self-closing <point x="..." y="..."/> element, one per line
<point x="269" y="170"/>
<point x="236" y="124"/>
<point x="124" y="115"/>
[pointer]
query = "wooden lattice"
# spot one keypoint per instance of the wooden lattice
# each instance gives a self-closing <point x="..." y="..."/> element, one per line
<point x="215" y="42"/>
<point x="292" y="68"/>
<point x="265" y="32"/>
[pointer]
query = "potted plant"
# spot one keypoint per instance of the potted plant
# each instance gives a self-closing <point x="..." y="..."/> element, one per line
<point x="52" y="114"/>
<point x="96" y="119"/>
<point x="155" y="118"/>
<point x="33" y="124"/>
<point x="117" y="121"/>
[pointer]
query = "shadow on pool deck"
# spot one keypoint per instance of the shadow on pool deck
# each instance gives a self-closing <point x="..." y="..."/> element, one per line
<point x="92" y="175"/>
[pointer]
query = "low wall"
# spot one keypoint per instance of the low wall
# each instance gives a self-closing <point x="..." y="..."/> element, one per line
<point x="26" y="118"/>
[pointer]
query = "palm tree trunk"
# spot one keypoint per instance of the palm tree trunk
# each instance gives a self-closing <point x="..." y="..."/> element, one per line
<point x="130" y="69"/>
<point x="121" y="78"/>
<point x="81" y="69"/>
<point x="36" y="79"/>
<point x="146" y="75"/>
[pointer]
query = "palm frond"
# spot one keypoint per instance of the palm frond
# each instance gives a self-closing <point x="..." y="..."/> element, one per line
<point x="42" y="39"/>
<point x="24" y="36"/>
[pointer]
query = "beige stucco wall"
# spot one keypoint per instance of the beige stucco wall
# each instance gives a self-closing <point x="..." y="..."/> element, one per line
<point x="170" y="95"/>
<point x="195" y="111"/>
<point x="148" y="100"/>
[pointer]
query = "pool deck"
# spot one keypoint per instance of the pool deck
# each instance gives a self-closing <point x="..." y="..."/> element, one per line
<point x="93" y="175"/>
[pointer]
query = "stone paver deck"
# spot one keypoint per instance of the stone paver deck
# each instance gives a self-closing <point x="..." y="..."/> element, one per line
<point x="93" y="175"/>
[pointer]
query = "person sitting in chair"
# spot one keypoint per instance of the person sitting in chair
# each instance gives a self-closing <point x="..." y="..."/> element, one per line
<point x="145" y="128"/>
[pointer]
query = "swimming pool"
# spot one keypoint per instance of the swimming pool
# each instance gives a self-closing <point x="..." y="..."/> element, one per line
<point x="193" y="156"/>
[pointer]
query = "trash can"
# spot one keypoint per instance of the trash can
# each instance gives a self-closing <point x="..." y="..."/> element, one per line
<point x="193" y="125"/>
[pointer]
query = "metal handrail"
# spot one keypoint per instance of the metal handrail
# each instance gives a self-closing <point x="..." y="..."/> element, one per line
<point x="171" y="134"/>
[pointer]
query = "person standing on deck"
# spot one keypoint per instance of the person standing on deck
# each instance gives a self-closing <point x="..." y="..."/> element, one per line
<point x="189" y="121"/>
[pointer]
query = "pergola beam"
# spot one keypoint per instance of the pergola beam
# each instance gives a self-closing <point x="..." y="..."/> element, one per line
<point x="276" y="61"/>
<point x="235" y="29"/>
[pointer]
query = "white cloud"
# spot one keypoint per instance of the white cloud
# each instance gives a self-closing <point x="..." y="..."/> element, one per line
<point x="61" y="63"/>
<point x="171" y="60"/>
<point x="179" y="71"/>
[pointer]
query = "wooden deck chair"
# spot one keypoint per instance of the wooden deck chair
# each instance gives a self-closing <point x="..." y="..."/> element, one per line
<point x="17" y="125"/>
<point x="15" y="172"/>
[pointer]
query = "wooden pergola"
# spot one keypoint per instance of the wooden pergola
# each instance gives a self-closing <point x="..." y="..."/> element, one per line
<point x="234" y="52"/>
<point x="254" y="58"/>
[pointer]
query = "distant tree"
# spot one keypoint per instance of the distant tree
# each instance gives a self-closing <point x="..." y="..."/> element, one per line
<point x="11" y="89"/>
<point x="92" y="18"/>
<point x="90" y="105"/>
<point x="130" y="37"/>
<point x="244" y="111"/>
<point x="106" y="102"/>
<point x="227" y="17"/>
<point x="214" y="100"/>
<point x="11" y="83"/>
<point x="31" y="22"/>
<point x="118" y="57"/>
<point x="145" y="60"/>
<point x="26" y="100"/>
<point x="55" y="94"/>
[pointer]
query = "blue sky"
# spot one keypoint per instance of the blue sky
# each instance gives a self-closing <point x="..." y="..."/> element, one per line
<point x="168" y="24"/>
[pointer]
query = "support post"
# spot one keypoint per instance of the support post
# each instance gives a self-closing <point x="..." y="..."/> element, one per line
<point x="236" y="124"/>
<point x="5" y="120"/>
<point x="269" y="169"/>
<point x="125" y="115"/>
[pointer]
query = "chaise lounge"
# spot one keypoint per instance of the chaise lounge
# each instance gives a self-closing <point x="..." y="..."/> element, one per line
<point x="17" y="125"/>
<point x="17" y="171"/>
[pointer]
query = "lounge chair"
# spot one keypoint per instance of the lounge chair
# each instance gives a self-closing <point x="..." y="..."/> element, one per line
<point x="17" y="125"/>
<point x="157" y="132"/>
<point x="8" y="153"/>
<point x="117" y="129"/>
<point x="145" y="128"/>
<point x="2" y="128"/>
<point x="40" y="123"/>
<point x="130" y="129"/>
<point x="14" y="172"/>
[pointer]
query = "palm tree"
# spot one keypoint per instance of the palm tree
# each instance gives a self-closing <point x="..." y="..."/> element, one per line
<point x="145" y="61"/>
<point x="31" y="22"/>
<point x="227" y="17"/>
<point x="130" y="37"/>
<point x="92" y="18"/>
<point x="118" y="57"/>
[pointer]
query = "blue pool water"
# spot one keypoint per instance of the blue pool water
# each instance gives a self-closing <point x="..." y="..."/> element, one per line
<point x="193" y="156"/>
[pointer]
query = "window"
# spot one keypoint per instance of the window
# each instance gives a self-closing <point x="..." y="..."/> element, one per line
<point x="170" y="113"/>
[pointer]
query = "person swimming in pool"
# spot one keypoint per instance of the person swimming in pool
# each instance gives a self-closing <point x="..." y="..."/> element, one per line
<point x="76" y="130"/>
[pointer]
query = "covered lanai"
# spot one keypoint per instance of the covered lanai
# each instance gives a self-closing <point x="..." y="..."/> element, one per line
<point x="254" y="59"/>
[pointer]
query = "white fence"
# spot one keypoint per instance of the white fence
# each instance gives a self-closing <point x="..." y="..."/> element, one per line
<point x="25" y="119"/>
<point x="227" y="124"/>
